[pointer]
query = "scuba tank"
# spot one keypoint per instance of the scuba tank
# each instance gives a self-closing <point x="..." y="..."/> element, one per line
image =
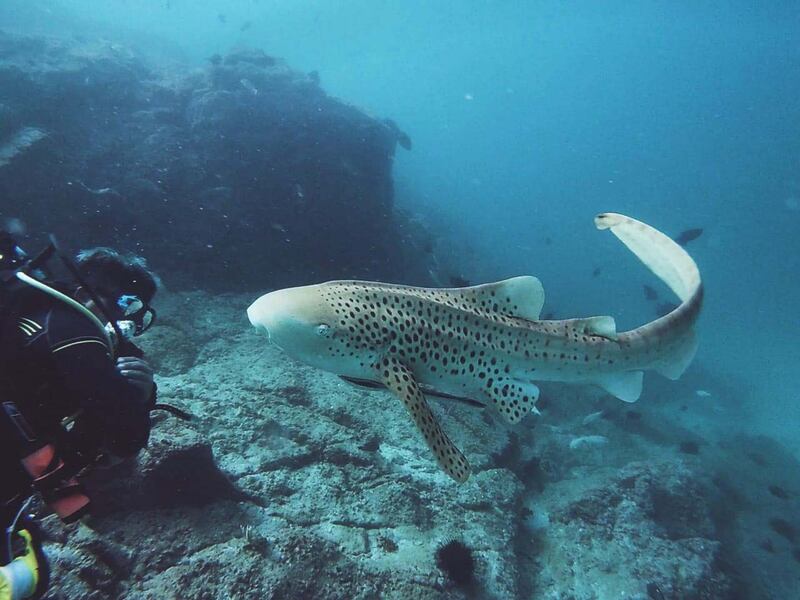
<point x="48" y="460"/>
<point x="39" y="458"/>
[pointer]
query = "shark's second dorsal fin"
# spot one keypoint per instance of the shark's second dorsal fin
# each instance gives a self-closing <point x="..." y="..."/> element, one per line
<point x="516" y="297"/>
<point x="604" y="326"/>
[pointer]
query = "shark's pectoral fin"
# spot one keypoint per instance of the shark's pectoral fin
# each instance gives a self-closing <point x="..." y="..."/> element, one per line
<point x="400" y="380"/>
<point x="512" y="398"/>
<point x="626" y="385"/>
<point x="679" y="359"/>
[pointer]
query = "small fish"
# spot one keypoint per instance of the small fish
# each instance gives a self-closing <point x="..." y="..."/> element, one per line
<point x="703" y="393"/>
<point x="427" y="390"/>
<point x="587" y="440"/>
<point x="279" y="227"/>
<point x="596" y="272"/>
<point x="222" y="18"/>
<point x="778" y="492"/>
<point x="684" y="237"/>
<point x="592" y="417"/>
<point x="649" y="293"/>
<point x="245" y="26"/>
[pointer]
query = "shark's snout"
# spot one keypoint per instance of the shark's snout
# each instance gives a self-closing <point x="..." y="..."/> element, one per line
<point x="289" y="317"/>
<point x="267" y="312"/>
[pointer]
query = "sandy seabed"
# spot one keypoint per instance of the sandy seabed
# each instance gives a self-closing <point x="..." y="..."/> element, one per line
<point x="290" y="483"/>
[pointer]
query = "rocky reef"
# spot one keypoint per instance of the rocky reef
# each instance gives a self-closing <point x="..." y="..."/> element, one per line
<point x="286" y="485"/>
<point x="243" y="174"/>
<point x="288" y="482"/>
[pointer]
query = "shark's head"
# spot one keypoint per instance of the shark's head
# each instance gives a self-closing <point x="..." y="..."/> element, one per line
<point x="300" y="322"/>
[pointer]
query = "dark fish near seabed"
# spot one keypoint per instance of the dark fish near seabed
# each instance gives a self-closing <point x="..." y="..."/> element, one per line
<point x="649" y="293"/>
<point x="684" y="237"/>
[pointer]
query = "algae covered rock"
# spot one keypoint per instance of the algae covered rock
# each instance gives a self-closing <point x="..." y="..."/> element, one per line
<point x="239" y="175"/>
<point x="176" y="469"/>
<point x="649" y="531"/>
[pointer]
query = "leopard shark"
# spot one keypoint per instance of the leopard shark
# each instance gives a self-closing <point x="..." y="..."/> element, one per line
<point x="485" y="343"/>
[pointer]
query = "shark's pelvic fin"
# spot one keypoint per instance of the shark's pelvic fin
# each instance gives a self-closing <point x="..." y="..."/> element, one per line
<point x="512" y="398"/>
<point x="400" y="380"/>
<point x="679" y="359"/>
<point x="625" y="385"/>
<point x="516" y="297"/>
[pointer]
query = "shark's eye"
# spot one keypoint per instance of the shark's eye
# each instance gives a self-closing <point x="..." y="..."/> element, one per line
<point x="323" y="330"/>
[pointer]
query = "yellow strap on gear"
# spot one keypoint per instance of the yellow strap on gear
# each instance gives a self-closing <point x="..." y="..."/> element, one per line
<point x="19" y="578"/>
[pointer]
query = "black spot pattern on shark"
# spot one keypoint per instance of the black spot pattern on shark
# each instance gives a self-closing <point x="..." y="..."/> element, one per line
<point x="484" y="342"/>
<point x="415" y="324"/>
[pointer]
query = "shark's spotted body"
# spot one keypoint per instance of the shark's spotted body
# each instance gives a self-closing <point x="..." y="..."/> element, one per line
<point x="483" y="342"/>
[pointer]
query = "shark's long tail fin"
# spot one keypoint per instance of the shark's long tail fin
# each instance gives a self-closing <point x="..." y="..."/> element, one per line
<point x="672" y="334"/>
<point x="662" y="255"/>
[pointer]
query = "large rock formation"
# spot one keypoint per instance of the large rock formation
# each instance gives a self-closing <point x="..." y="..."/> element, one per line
<point x="244" y="174"/>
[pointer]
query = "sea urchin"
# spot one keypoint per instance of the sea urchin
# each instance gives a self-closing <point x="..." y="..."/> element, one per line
<point x="456" y="560"/>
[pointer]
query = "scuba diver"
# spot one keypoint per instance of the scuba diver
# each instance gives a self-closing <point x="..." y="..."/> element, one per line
<point x="74" y="389"/>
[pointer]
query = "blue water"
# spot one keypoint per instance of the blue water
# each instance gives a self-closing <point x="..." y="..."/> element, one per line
<point x="529" y="117"/>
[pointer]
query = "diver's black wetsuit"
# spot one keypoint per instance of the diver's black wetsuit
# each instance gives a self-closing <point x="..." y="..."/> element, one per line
<point x="54" y="362"/>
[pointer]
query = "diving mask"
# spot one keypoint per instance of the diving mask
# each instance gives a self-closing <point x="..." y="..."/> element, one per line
<point x="137" y="317"/>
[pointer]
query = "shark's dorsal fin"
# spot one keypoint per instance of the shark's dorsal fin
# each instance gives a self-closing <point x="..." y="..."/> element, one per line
<point x="516" y="297"/>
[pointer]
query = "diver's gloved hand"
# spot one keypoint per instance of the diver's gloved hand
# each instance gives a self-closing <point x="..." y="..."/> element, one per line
<point x="139" y="373"/>
<point x="27" y="576"/>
